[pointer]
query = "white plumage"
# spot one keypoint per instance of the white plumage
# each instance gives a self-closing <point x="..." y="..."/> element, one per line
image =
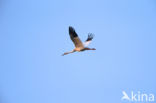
<point x="79" y="46"/>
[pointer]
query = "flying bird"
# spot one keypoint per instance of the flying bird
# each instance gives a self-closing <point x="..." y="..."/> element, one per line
<point x="79" y="46"/>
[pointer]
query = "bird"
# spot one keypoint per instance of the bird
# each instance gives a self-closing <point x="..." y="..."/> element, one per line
<point x="79" y="46"/>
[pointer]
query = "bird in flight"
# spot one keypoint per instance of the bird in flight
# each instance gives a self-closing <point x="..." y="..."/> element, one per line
<point x="79" y="46"/>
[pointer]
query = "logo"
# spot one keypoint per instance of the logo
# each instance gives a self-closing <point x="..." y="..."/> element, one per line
<point x="137" y="97"/>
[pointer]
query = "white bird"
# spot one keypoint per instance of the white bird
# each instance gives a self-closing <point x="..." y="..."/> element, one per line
<point x="79" y="46"/>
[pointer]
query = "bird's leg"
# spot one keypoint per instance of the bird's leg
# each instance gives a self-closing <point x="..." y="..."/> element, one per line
<point x="90" y="48"/>
<point x="68" y="52"/>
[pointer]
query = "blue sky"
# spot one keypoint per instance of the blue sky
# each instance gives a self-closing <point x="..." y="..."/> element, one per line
<point x="34" y="34"/>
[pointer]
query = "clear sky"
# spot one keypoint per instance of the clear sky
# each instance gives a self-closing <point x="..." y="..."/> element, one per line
<point x="34" y="34"/>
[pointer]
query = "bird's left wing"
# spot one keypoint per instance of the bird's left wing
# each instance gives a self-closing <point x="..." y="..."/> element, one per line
<point x="74" y="37"/>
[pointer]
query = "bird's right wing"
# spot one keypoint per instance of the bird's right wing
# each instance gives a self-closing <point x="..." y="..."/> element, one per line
<point x="89" y="39"/>
<point x="74" y="37"/>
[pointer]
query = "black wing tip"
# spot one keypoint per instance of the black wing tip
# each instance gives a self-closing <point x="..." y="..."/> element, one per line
<point x="71" y="28"/>
<point x="90" y="36"/>
<point x="72" y="31"/>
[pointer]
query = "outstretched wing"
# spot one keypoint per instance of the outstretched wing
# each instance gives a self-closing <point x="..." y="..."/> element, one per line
<point x="89" y="39"/>
<point x="74" y="37"/>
